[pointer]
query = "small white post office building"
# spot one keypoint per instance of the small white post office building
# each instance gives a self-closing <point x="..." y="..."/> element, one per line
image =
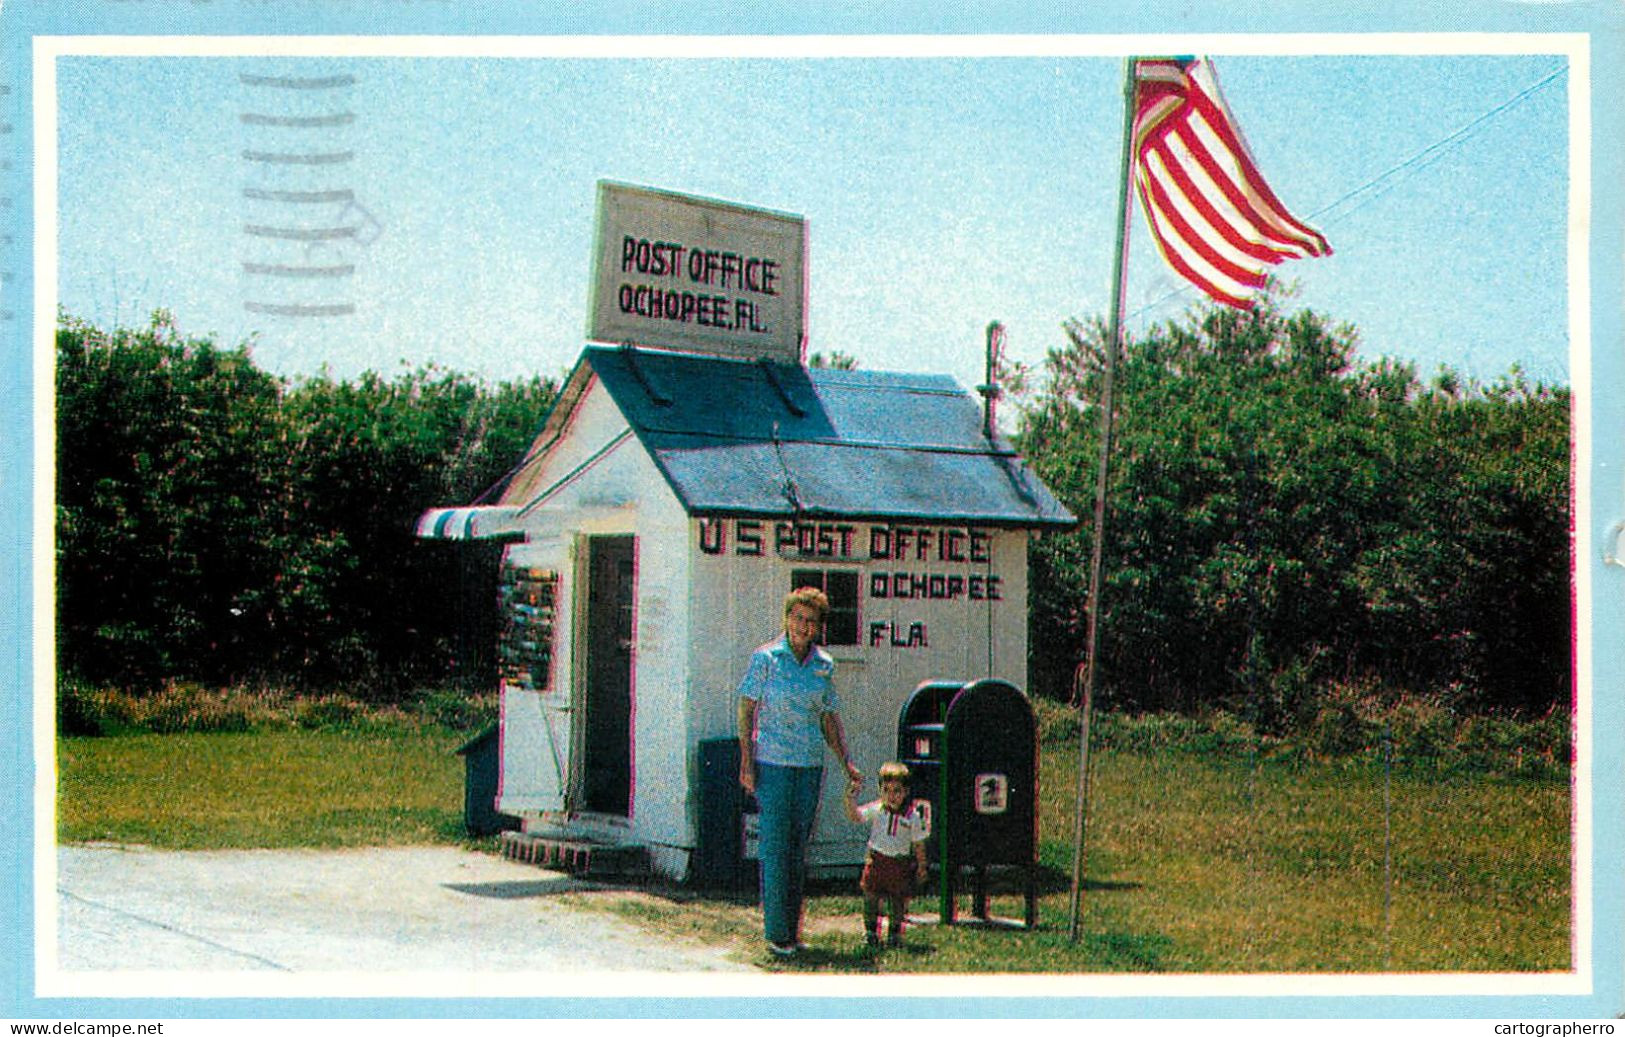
<point x="675" y="494"/>
<point x="668" y="504"/>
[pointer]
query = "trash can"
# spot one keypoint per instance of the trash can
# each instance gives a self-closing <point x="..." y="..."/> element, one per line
<point x="973" y="750"/>
<point x="722" y="858"/>
<point x="480" y="763"/>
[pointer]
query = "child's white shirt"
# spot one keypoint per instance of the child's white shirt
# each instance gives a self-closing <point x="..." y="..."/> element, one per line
<point x="895" y="834"/>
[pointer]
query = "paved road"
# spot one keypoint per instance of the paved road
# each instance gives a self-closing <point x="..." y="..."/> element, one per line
<point x="415" y="908"/>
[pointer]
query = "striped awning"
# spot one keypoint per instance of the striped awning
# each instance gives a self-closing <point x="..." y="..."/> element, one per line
<point x="477" y="523"/>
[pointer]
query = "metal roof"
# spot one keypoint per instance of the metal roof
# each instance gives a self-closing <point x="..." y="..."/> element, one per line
<point x="754" y="438"/>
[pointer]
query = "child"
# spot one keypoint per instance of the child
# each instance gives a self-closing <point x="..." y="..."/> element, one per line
<point x="896" y="854"/>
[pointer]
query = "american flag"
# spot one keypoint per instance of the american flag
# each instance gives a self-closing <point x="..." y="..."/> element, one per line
<point x="1214" y="218"/>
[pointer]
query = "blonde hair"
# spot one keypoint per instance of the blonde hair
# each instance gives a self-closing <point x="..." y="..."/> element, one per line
<point x="894" y="772"/>
<point x="811" y="597"/>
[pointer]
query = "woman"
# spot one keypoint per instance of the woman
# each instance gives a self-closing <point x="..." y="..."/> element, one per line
<point x="788" y="710"/>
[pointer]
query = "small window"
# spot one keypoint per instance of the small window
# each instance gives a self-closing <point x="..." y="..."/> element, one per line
<point x="841" y="622"/>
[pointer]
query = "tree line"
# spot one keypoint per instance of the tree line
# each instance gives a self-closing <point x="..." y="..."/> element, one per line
<point x="1280" y="515"/>
<point x="218" y="523"/>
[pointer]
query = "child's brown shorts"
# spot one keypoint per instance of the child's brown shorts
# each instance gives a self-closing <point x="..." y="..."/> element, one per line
<point x="885" y="876"/>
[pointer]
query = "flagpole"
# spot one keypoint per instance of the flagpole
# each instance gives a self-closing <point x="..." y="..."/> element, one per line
<point x="1091" y="638"/>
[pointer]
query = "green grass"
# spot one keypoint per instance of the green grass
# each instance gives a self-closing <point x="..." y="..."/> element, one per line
<point x="265" y="789"/>
<point x="1238" y="866"/>
<point x="1216" y="862"/>
<point x="1201" y="865"/>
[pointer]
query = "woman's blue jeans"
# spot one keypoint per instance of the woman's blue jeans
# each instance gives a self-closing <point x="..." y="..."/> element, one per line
<point x="788" y="800"/>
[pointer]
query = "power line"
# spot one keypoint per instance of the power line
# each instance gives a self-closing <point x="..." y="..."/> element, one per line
<point x="1430" y="154"/>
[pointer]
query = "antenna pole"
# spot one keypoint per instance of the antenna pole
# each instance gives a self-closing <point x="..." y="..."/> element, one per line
<point x="990" y="387"/>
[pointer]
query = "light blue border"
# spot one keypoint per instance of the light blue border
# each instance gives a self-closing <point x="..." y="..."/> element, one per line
<point x="20" y="22"/>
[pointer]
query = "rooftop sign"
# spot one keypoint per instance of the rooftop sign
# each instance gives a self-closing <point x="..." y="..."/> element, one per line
<point x="680" y="272"/>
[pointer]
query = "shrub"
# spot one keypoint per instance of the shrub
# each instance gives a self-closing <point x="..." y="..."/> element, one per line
<point x="186" y="707"/>
<point x="1057" y="721"/>
<point x="1231" y="733"/>
<point x="1355" y="723"/>
<point x="1283" y="700"/>
<point x="82" y="710"/>
<point x="1348" y="722"/>
<point x="1500" y="744"/>
<point x="1422" y="728"/>
<point x="326" y="712"/>
<point x="457" y="709"/>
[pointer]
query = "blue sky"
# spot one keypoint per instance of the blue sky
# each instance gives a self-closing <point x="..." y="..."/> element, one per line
<point x="940" y="192"/>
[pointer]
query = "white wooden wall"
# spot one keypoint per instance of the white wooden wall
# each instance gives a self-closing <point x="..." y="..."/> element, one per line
<point x="737" y="606"/>
<point x="621" y="494"/>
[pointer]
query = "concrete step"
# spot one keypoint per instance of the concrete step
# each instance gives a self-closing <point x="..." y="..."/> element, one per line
<point x="581" y="857"/>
